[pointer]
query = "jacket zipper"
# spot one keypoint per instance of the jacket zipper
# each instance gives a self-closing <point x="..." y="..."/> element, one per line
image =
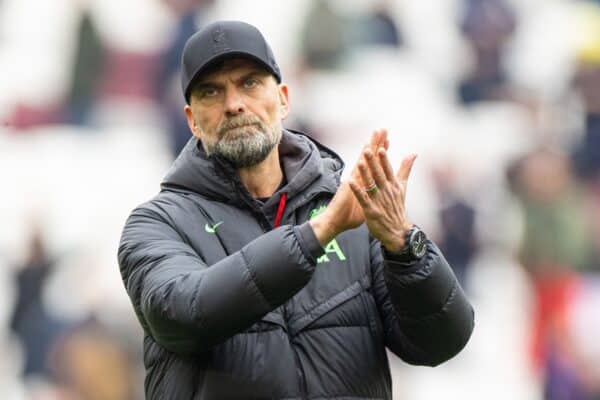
<point x="299" y="371"/>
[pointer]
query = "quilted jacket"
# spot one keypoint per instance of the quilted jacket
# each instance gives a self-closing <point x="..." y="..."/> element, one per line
<point x="233" y="308"/>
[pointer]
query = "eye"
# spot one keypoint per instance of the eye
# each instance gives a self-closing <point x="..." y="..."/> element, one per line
<point x="208" y="92"/>
<point x="250" y="83"/>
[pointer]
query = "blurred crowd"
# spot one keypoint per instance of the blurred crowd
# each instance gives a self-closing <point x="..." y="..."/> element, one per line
<point x="500" y="99"/>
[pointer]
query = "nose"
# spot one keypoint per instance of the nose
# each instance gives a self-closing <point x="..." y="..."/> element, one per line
<point x="234" y="104"/>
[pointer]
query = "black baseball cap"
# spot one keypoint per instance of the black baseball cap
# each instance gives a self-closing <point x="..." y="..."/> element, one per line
<point x="220" y="40"/>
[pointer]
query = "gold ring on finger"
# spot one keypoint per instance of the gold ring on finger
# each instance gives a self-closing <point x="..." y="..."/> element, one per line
<point x="371" y="189"/>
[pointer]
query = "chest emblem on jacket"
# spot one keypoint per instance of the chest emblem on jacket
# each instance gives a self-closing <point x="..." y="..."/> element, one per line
<point x="212" y="228"/>
<point x="332" y="248"/>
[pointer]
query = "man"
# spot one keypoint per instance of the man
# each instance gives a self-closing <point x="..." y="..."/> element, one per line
<point x="255" y="274"/>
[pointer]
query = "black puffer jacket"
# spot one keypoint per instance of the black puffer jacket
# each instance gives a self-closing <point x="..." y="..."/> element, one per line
<point x="234" y="309"/>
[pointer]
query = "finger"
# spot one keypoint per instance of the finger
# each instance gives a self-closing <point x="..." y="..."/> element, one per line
<point x="405" y="168"/>
<point x="378" y="139"/>
<point x="355" y="171"/>
<point x="360" y="195"/>
<point x="375" y="139"/>
<point x="383" y="139"/>
<point x="365" y="175"/>
<point x="385" y="164"/>
<point x="375" y="168"/>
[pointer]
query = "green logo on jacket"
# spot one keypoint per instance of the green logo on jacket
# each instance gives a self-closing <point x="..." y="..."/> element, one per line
<point x="332" y="247"/>
<point x="212" y="228"/>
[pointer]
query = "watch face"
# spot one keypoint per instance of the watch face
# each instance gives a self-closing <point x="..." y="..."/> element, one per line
<point x="418" y="244"/>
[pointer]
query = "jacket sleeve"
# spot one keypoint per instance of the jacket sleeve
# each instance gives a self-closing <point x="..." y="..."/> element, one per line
<point x="426" y="316"/>
<point x="187" y="306"/>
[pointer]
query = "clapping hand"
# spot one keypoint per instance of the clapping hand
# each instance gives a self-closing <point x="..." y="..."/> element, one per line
<point x="373" y="194"/>
<point x="381" y="195"/>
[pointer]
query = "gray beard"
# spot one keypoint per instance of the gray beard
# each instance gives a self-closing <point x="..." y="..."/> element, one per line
<point x="245" y="141"/>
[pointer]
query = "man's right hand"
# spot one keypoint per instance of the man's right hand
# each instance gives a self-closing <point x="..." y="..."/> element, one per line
<point x="344" y="212"/>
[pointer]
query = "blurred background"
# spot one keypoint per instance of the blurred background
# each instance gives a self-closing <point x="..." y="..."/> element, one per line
<point x="500" y="99"/>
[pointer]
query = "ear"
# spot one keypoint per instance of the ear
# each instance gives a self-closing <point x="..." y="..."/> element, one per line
<point x="190" y="120"/>
<point x="284" y="104"/>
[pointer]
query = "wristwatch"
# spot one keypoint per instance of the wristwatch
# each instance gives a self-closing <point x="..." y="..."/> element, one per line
<point x="415" y="246"/>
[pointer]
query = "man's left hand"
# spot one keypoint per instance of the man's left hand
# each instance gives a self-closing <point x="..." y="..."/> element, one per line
<point x="381" y="194"/>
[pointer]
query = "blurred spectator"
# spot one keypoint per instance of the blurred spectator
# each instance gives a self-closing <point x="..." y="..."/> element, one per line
<point x="555" y="248"/>
<point x="85" y="75"/>
<point x="379" y="26"/>
<point x="87" y="70"/>
<point x="457" y="224"/>
<point x="556" y="231"/>
<point x="586" y="156"/>
<point x="487" y="25"/>
<point x="188" y="14"/>
<point x="33" y="325"/>
<point x="90" y="363"/>
<point x="323" y="37"/>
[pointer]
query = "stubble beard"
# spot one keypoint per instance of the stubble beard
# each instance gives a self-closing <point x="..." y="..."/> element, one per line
<point x="244" y="140"/>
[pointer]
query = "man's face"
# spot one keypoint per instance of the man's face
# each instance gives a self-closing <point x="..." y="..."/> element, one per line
<point x="237" y="112"/>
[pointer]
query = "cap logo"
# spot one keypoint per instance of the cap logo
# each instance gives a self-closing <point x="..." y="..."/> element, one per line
<point x="219" y="40"/>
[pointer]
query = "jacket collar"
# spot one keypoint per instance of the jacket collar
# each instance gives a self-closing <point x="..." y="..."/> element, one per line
<point x="310" y="168"/>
